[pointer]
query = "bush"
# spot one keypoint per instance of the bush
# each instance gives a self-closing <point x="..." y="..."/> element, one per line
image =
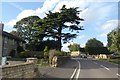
<point x="12" y="53"/>
<point x="58" y="53"/>
<point x="46" y="53"/>
<point x="24" y="54"/>
<point x="20" y="49"/>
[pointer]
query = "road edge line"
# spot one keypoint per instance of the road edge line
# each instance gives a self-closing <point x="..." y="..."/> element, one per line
<point x="78" y="71"/>
<point x="73" y="74"/>
<point x="105" y="67"/>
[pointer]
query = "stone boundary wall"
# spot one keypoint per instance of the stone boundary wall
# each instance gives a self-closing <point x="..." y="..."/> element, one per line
<point x="24" y="70"/>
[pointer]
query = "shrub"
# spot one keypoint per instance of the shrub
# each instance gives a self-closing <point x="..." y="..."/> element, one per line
<point x="20" y="49"/>
<point x="24" y="54"/>
<point x="12" y="53"/>
<point x="46" y="53"/>
<point x="58" y="53"/>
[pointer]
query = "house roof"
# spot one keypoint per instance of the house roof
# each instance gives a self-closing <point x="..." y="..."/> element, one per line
<point x="12" y="36"/>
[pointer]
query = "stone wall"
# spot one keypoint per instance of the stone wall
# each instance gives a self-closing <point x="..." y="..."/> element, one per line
<point x="24" y="70"/>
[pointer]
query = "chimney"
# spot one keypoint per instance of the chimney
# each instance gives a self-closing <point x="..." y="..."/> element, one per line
<point x="1" y="26"/>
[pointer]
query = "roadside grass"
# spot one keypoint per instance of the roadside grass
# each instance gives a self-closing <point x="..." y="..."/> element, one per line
<point x="102" y="59"/>
<point x="116" y="61"/>
<point x="43" y="63"/>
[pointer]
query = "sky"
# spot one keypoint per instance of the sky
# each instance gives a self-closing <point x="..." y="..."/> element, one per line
<point x="101" y="16"/>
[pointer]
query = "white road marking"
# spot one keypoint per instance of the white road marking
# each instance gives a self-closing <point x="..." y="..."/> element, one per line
<point x="95" y="63"/>
<point x="78" y="71"/>
<point x="73" y="73"/>
<point x="104" y="67"/>
<point x="118" y="74"/>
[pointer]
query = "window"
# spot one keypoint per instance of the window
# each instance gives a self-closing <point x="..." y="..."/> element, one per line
<point x="5" y="39"/>
<point x="5" y="52"/>
<point x="13" y="41"/>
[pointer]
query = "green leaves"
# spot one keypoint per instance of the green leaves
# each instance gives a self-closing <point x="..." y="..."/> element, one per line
<point x="74" y="47"/>
<point x="114" y="40"/>
<point x="32" y="29"/>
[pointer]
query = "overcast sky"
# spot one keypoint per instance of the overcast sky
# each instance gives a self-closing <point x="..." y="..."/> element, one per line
<point x="101" y="16"/>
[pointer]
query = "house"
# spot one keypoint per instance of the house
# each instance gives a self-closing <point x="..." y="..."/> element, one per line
<point x="99" y="52"/>
<point x="9" y="42"/>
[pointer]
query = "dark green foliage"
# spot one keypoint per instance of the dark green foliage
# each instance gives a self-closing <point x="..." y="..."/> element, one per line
<point x="27" y="31"/>
<point x="54" y="23"/>
<point x="12" y="53"/>
<point x="93" y="45"/>
<point x="97" y="50"/>
<point x="32" y="29"/>
<point x="50" y="43"/>
<point x="24" y="54"/>
<point x="82" y="49"/>
<point x="19" y="49"/>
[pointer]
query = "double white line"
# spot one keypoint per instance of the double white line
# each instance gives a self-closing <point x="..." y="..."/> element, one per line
<point x="76" y="72"/>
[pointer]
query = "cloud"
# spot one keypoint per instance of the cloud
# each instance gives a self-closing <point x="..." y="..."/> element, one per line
<point x="48" y="5"/>
<point x="71" y="3"/>
<point x="97" y="12"/>
<point x="65" y="47"/>
<point x="108" y="26"/>
<point x="55" y="5"/>
<point x="81" y="36"/>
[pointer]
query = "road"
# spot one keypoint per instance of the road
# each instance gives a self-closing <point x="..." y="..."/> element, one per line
<point x="79" y="68"/>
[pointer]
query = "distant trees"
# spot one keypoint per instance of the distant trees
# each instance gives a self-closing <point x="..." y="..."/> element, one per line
<point x="93" y="44"/>
<point x="114" y="40"/>
<point x="74" y="47"/>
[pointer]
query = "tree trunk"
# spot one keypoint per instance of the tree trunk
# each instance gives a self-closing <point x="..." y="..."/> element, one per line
<point x="59" y="44"/>
<point x="59" y="38"/>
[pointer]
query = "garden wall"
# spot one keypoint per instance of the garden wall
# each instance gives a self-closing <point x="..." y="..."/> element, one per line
<point x="24" y="70"/>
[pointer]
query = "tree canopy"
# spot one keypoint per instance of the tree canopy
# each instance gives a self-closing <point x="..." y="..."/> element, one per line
<point x="54" y="24"/>
<point x="114" y="40"/>
<point x="74" y="47"/>
<point x="32" y="29"/>
<point x="94" y="43"/>
<point x="27" y="31"/>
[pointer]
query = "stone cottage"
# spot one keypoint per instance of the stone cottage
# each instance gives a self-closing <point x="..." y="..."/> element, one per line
<point x="9" y="42"/>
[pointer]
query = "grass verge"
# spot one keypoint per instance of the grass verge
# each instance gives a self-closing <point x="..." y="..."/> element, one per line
<point x="43" y="63"/>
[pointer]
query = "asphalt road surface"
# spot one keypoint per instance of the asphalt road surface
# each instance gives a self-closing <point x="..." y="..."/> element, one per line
<point x="81" y="68"/>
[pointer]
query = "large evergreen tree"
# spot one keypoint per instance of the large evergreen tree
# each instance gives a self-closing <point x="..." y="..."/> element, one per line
<point x="54" y="23"/>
